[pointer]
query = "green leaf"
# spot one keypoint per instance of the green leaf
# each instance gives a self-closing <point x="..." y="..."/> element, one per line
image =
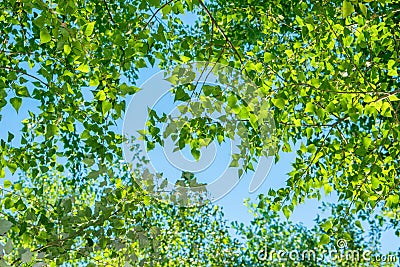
<point x="45" y="36"/>
<point x="374" y="182"/>
<point x="275" y="207"/>
<point x="7" y="184"/>
<point x="347" y="8"/>
<point x="363" y="9"/>
<point x="394" y="98"/>
<point x="17" y="186"/>
<point x="253" y="121"/>
<point x="181" y="95"/>
<point x="220" y="138"/>
<point x="286" y="212"/>
<point x="52" y="129"/>
<point x="279" y="103"/>
<point x="101" y="95"/>
<point x="89" y="28"/>
<point x="16" y="102"/>
<point x="310" y="107"/>
<point x="392" y="200"/>
<point x="185" y="58"/>
<point x="4" y="226"/>
<point x="10" y="137"/>
<point x="327" y="189"/>
<point x="268" y="57"/>
<point x="232" y="99"/>
<point x="67" y="49"/>
<point x="22" y="91"/>
<point x="155" y="3"/>
<point x="166" y="10"/>
<point x="327" y="225"/>
<point x="386" y="109"/>
<point x="106" y="106"/>
<point x="366" y="142"/>
<point x="234" y="163"/>
<point x="259" y="67"/>
<point x="83" y="68"/>
<point x="244" y="113"/>
<point x="195" y="154"/>
<point x="324" y="239"/>
<point x="208" y="89"/>
<point x="126" y="89"/>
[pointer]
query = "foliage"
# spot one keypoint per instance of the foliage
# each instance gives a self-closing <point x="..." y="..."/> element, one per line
<point x="332" y="79"/>
<point x="48" y="223"/>
<point x="329" y="70"/>
<point x="325" y="244"/>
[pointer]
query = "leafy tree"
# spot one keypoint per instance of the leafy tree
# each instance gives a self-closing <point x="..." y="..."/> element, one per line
<point x="269" y="241"/>
<point x="328" y="69"/>
<point x="74" y="202"/>
<point x="330" y="72"/>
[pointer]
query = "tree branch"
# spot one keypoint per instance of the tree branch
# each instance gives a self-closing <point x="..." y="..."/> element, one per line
<point x="109" y="13"/>
<point x="155" y="13"/>
<point x="24" y="73"/>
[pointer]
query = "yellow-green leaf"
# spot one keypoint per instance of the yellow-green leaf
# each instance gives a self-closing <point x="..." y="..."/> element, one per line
<point x="44" y="36"/>
<point x="185" y="59"/>
<point x="363" y="9"/>
<point x="7" y="184"/>
<point x="375" y="182"/>
<point x="279" y="103"/>
<point x="324" y="239"/>
<point x="310" y="107"/>
<point x="268" y="57"/>
<point x="347" y="8"/>
<point x="67" y="49"/>
<point x="83" y="68"/>
<point x="106" y="106"/>
<point x="89" y="29"/>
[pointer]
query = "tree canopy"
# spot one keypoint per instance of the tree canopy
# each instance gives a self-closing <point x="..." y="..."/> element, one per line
<point x="327" y="71"/>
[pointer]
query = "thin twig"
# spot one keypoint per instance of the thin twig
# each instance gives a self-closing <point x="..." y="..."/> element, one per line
<point x="156" y="12"/>
<point x="109" y="13"/>
<point x="24" y="73"/>
<point x="222" y="33"/>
